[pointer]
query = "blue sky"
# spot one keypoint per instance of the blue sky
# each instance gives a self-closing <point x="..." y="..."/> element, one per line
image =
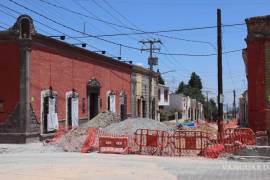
<point x="154" y="15"/>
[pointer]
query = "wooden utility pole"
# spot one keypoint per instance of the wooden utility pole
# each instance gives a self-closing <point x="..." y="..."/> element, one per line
<point x="220" y="88"/>
<point x="234" y="107"/>
<point x="151" y="61"/>
<point x="207" y="103"/>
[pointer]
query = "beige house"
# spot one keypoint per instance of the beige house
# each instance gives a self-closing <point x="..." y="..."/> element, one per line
<point x="143" y="103"/>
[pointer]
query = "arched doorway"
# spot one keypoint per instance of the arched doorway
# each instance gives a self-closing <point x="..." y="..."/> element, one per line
<point x="93" y="91"/>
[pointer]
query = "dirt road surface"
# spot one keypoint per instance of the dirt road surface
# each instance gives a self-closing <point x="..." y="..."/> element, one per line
<point x="33" y="161"/>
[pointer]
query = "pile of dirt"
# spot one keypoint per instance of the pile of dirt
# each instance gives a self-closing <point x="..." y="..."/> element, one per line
<point x="102" y="120"/>
<point x="74" y="139"/>
<point x="129" y="126"/>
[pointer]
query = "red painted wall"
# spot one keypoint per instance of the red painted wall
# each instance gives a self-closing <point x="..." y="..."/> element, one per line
<point x="63" y="80"/>
<point x="9" y="78"/>
<point x="256" y="89"/>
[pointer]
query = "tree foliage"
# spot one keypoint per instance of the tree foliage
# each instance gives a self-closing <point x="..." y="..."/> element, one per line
<point x="210" y="110"/>
<point x="194" y="90"/>
<point x="195" y="81"/>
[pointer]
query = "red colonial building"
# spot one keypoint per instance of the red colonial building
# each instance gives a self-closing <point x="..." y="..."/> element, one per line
<point x="257" y="60"/>
<point x="46" y="82"/>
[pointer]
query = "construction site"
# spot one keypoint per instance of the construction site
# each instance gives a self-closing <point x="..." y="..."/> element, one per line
<point x="140" y="148"/>
<point x="94" y="96"/>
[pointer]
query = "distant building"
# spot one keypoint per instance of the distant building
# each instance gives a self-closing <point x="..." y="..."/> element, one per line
<point x="180" y="103"/>
<point x="140" y="99"/>
<point x="257" y="60"/>
<point x="189" y="109"/>
<point x="163" y="98"/>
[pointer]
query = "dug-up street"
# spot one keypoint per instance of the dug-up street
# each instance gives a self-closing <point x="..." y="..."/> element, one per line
<point x="33" y="161"/>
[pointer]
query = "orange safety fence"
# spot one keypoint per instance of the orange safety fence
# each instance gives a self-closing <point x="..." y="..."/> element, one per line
<point x="109" y="144"/>
<point x="189" y="142"/>
<point x="163" y="143"/>
<point x="89" y="141"/>
<point x="150" y="142"/>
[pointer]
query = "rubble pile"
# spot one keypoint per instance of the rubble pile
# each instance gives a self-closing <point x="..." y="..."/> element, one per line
<point x="74" y="139"/>
<point x="102" y="120"/>
<point x="129" y="126"/>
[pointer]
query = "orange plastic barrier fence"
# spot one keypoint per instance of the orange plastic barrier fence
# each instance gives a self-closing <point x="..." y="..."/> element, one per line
<point x="151" y="141"/>
<point x="189" y="142"/>
<point x="89" y="141"/>
<point x="239" y="135"/>
<point x="213" y="151"/>
<point x="108" y="144"/>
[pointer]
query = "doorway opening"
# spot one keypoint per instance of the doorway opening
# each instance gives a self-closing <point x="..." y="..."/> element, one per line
<point x="143" y="108"/>
<point x="111" y="101"/>
<point x="153" y="108"/>
<point x="49" y="119"/>
<point x="93" y="91"/>
<point x="72" y="109"/>
<point x="138" y="107"/>
<point x="123" y="106"/>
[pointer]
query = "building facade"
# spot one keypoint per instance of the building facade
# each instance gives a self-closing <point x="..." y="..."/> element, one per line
<point x="47" y="82"/>
<point x="257" y="60"/>
<point x="140" y="93"/>
<point x="163" y="98"/>
<point x="189" y="109"/>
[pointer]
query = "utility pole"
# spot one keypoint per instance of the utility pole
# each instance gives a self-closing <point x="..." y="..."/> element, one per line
<point x="151" y="61"/>
<point x="234" y="107"/>
<point x="207" y="103"/>
<point x="220" y="88"/>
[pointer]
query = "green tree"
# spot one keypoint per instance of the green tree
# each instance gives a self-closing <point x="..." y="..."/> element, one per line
<point x="195" y="81"/>
<point x="210" y="110"/>
<point x="181" y="88"/>
<point x="192" y="89"/>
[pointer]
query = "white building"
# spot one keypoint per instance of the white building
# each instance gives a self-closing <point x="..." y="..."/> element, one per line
<point x="163" y="95"/>
<point x="163" y="98"/>
<point x="189" y="109"/>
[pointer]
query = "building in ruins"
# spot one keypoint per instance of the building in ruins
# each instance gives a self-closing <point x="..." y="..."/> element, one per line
<point x="257" y="61"/>
<point x="47" y="82"/>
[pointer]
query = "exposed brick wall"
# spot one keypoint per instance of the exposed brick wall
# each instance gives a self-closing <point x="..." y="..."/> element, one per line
<point x="63" y="80"/>
<point x="9" y="78"/>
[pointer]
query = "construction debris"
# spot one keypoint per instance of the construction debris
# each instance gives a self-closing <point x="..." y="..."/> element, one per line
<point x="129" y="126"/>
<point x="102" y="120"/>
<point x="74" y="139"/>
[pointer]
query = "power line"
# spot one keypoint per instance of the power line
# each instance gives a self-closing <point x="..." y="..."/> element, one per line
<point x="108" y="41"/>
<point x="43" y="25"/>
<point x="91" y="13"/>
<point x="126" y="27"/>
<point x="197" y="55"/>
<point x="167" y="31"/>
<point x="84" y="15"/>
<point x="123" y="17"/>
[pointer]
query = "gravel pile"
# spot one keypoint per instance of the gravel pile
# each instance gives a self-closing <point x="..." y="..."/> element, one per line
<point x="129" y="126"/>
<point x="102" y="120"/>
<point x="74" y="139"/>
